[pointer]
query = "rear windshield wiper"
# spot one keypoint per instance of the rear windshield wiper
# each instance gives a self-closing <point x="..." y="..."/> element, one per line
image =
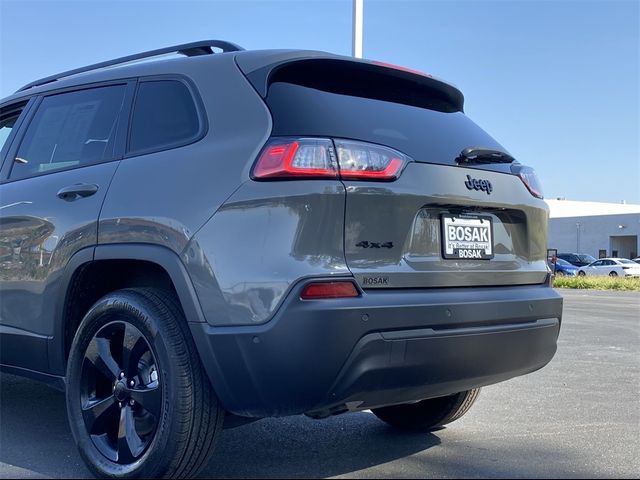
<point x="483" y="155"/>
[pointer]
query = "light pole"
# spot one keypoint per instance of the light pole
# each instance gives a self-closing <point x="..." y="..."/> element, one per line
<point x="358" y="17"/>
<point x="577" y="237"/>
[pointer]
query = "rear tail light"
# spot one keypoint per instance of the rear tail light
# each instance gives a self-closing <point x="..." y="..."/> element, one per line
<point x="322" y="290"/>
<point x="317" y="158"/>
<point x="364" y="161"/>
<point x="530" y="179"/>
<point x="302" y="157"/>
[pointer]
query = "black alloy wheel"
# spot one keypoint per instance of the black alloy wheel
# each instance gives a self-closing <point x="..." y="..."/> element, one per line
<point x="121" y="394"/>
<point x="139" y="402"/>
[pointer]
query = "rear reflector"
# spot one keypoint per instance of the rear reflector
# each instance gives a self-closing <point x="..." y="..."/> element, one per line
<point x="316" y="158"/>
<point x="321" y="290"/>
<point x="303" y="157"/>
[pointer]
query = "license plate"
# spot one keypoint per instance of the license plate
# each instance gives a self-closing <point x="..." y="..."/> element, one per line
<point x="468" y="237"/>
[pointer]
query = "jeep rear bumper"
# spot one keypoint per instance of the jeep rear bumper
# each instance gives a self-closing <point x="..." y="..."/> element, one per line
<point x="386" y="347"/>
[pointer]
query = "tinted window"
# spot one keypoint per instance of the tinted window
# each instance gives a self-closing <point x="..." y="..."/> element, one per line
<point x="426" y="135"/>
<point x="70" y="130"/>
<point x="164" y="115"/>
<point x="8" y="118"/>
<point x="599" y="263"/>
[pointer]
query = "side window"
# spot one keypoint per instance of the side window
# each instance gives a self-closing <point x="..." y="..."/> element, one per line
<point x="70" y="130"/>
<point x="599" y="263"/>
<point x="8" y="117"/>
<point x="164" y="116"/>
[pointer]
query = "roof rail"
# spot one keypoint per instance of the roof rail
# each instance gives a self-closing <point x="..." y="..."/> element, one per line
<point x="204" y="47"/>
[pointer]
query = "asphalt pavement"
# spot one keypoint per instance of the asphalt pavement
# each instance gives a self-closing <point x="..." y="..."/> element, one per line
<point x="577" y="417"/>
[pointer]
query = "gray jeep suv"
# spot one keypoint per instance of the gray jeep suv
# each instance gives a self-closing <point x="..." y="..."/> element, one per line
<point x="227" y="235"/>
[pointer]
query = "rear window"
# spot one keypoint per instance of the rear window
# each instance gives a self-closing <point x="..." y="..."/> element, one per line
<point x="164" y="116"/>
<point x="416" y="115"/>
<point x="425" y="135"/>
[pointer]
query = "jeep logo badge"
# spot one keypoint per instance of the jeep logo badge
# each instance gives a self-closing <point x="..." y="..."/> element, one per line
<point x="475" y="184"/>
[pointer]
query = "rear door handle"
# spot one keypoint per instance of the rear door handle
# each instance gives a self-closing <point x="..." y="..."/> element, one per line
<point x="79" y="190"/>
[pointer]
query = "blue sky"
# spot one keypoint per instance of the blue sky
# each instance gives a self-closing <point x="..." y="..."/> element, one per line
<point x="556" y="82"/>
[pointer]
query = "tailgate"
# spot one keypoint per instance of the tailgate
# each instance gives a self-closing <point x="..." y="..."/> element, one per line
<point x="394" y="232"/>
<point x="394" y="229"/>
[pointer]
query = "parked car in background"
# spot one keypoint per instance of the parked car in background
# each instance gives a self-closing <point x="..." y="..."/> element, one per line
<point x="577" y="259"/>
<point x="637" y="259"/>
<point x="614" y="267"/>
<point x="563" y="268"/>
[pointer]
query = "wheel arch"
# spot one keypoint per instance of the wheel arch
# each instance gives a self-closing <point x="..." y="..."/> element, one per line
<point x="159" y="265"/>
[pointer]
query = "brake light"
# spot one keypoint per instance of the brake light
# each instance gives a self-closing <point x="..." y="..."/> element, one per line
<point x="401" y="68"/>
<point x="303" y="157"/>
<point x="316" y="158"/>
<point x="322" y="290"/>
<point x="530" y="180"/>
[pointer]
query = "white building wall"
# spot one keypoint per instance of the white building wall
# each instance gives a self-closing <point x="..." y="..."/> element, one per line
<point x="589" y="234"/>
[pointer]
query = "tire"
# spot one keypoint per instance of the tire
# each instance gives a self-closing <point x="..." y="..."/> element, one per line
<point x="428" y="414"/>
<point x="167" y="423"/>
<point x="613" y="274"/>
<point x="582" y="274"/>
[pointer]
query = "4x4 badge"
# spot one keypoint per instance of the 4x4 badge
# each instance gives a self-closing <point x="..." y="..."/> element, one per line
<point x="366" y="244"/>
<point x="475" y="184"/>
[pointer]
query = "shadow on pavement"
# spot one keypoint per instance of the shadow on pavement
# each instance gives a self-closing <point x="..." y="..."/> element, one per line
<point x="35" y="441"/>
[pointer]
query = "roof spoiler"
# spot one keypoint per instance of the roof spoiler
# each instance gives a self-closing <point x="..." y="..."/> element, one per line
<point x="262" y="70"/>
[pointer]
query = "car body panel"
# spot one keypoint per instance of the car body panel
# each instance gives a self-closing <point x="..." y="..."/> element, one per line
<point x="280" y="232"/>
<point x="168" y="209"/>
<point x="407" y="214"/>
<point x="41" y="232"/>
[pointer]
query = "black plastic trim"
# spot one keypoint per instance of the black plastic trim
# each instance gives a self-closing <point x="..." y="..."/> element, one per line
<point x="291" y="364"/>
<point x="162" y="256"/>
<point x="54" y="381"/>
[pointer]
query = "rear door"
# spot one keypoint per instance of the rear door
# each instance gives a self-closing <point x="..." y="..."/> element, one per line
<point x="396" y="231"/>
<point x="54" y="180"/>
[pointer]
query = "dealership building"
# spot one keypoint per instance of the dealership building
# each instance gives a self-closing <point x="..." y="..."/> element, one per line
<point x="598" y="229"/>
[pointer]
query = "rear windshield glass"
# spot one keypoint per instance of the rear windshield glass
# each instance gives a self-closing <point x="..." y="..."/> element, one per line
<point x="425" y="135"/>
